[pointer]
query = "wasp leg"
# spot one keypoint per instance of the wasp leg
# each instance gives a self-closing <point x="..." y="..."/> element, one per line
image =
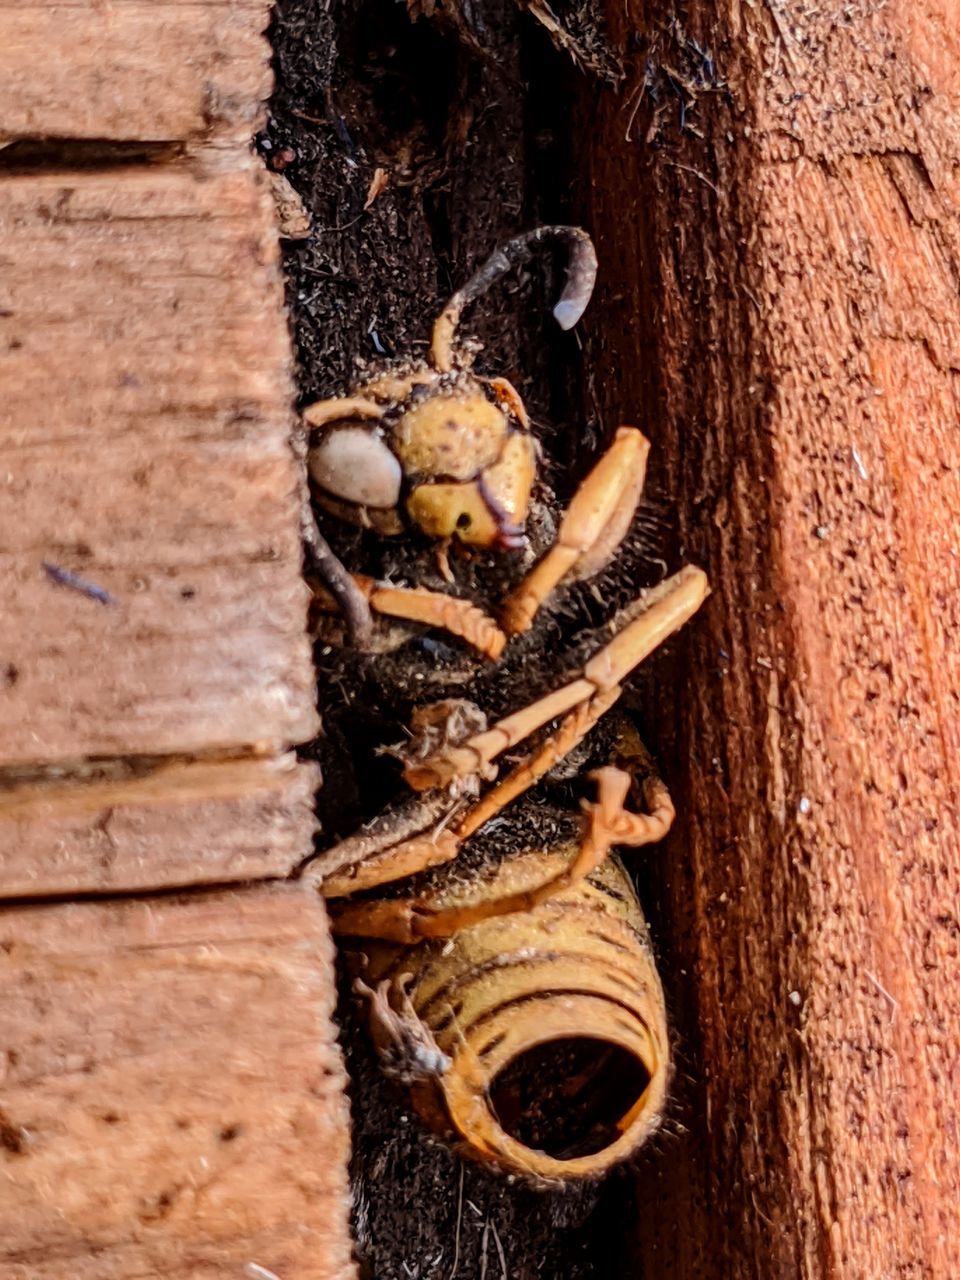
<point x="403" y="1043"/>
<point x="367" y="860"/>
<point x="436" y="609"/>
<point x="342" y="585"/>
<point x="321" y="412"/>
<point x="459" y="617"/>
<point x="595" y="524"/>
<point x="664" y="610"/>
<point x="572" y="730"/>
<point x="607" y="823"/>
<point x="396" y="845"/>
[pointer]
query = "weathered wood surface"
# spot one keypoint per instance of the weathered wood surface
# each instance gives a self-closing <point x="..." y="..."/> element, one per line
<point x="186" y="823"/>
<point x="145" y="444"/>
<point x="128" y="71"/>
<point x="185" y="1118"/>
<point x="799" y="362"/>
<point x="171" y="1094"/>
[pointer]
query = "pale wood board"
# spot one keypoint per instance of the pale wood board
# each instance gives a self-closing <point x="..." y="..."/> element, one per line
<point x="172" y="1096"/>
<point x="131" y="71"/>
<point x="178" y="824"/>
<point x="145" y="444"/>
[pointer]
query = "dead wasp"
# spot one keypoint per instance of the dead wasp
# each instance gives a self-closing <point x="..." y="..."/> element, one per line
<point x="434" y="447"/>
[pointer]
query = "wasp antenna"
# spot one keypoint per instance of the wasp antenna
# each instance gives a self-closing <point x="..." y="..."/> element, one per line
<point x="578" y="286"/>
<point x="581" y="277"/>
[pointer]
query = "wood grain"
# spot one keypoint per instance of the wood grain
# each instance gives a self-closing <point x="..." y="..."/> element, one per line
<point x="799" y="371"/>
<point x="145" y="445"/>
<point x="178" y="824"/>
<point x="184" y="1118"/>
<point x="171" y="1093"/>
<point x="127" y="71"/>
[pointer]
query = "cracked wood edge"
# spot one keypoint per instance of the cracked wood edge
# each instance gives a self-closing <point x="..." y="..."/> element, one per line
<point x="184" y="823"/>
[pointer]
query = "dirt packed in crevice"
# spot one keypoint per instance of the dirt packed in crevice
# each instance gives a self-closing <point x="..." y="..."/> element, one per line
<point x="417" y="146"/>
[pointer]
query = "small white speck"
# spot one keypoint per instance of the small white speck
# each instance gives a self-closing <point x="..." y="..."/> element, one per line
<point x="796" y="999"/>
<point x="804" y="806"/>
<point x="858" y="463"/>
<point x="260" y="1273"/>
<point x="822" y="531"/>
<point x="723" y="897"/>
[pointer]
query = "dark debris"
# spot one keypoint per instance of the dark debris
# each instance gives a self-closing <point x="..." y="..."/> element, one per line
<point x="475" y="150"/>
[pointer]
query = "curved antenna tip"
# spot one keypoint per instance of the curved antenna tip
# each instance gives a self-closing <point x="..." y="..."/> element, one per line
<point x="568" y="313"/>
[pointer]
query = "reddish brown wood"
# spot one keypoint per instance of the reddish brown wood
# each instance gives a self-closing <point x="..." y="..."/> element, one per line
<point x="780" y="300"/>
<point x="185" y="1118"/>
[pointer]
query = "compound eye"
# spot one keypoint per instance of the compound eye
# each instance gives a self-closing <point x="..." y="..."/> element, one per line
<point x="354" y="464"/>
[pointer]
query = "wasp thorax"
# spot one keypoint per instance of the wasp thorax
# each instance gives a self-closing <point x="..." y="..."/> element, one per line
<point x="354" y="464"/>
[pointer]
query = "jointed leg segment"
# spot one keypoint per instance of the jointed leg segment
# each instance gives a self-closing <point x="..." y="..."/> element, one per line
<point x="436" y="609"/>
<point x="607" y="821"/>
<point x="669" y="606"/>
<point x="453" y="614"/>
<point x="361" y="863"/>
<point x="596" y="522"/>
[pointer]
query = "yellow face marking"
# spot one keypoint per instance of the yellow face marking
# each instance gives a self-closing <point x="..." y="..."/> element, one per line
<point x="508" y="483"/>
<point x="454" y="511"/>
<point x="453" y="435"/>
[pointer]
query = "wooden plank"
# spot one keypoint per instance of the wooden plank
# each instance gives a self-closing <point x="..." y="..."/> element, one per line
<point x="130" y="71"/>
<point x="144" y="444"/>
<point x="172" y="1092"/>
<point x="803" y="248"/>
<point x="180" y="824"/>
